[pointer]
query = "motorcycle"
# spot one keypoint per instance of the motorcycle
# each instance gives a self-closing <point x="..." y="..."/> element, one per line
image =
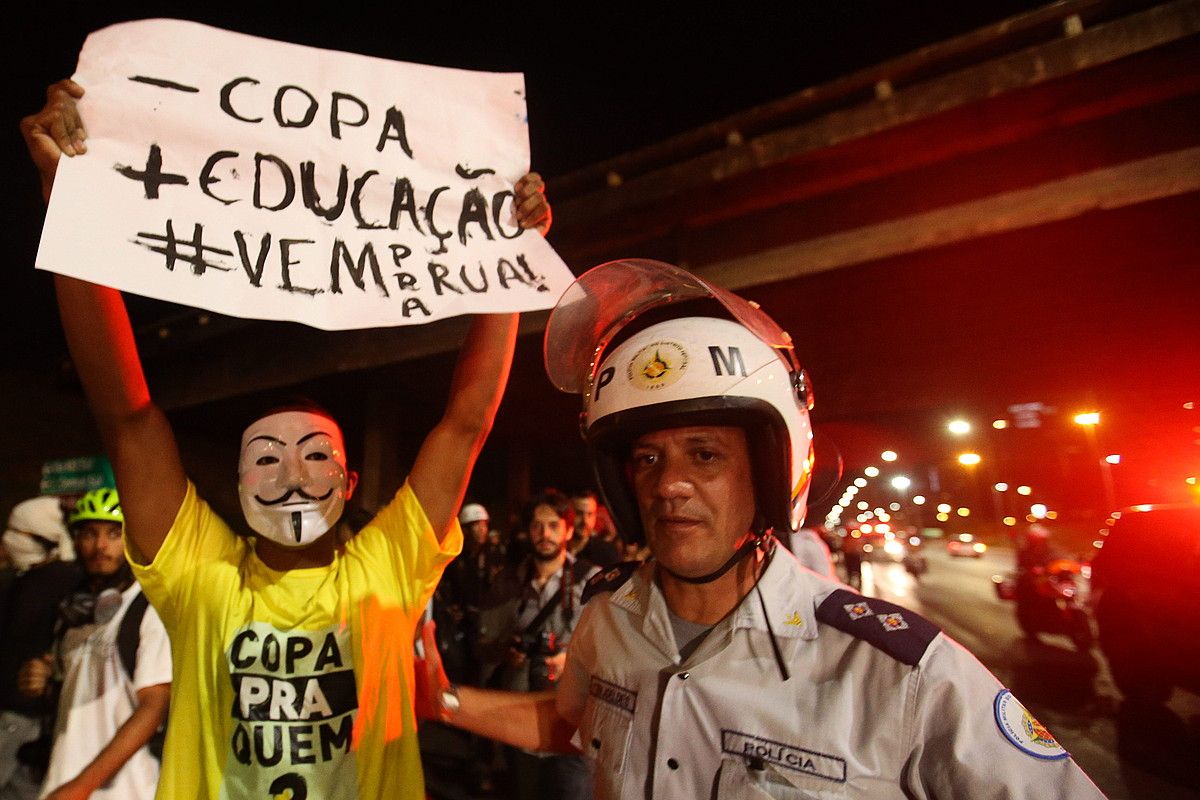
<point x="1049" y="600"/>
<point x="915" y="564"/>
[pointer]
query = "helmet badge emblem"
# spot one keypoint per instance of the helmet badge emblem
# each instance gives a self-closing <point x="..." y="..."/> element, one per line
<point x="657" y="365"/>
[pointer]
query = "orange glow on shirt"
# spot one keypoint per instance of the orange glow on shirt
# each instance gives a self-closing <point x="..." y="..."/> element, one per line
<point x="386" y="644"/>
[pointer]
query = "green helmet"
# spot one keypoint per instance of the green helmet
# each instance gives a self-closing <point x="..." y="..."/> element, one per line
<point x="98" y="504"/>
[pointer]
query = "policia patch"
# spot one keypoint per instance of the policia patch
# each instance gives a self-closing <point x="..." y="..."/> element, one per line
<point x="788" y="756"/>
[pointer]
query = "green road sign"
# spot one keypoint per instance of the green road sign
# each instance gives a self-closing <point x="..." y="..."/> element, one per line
<point x="76" y="475"/>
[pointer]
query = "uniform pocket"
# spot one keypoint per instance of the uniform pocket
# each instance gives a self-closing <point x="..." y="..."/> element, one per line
<point x="605" y="735"/>
<point x="744" y="780"/>
<point x="605" y="732"/>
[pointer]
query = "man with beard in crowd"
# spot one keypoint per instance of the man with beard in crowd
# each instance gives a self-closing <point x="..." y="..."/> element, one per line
<point x="525" y="626"/>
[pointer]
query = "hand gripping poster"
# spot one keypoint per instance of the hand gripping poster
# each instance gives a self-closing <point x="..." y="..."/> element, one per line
<point x="269" y="180"/>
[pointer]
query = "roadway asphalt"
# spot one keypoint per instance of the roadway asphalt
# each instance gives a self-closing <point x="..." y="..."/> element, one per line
<point x="1129" y="753"/>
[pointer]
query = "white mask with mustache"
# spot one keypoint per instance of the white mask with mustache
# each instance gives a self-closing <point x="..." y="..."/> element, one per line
<point x="292" y="479"/>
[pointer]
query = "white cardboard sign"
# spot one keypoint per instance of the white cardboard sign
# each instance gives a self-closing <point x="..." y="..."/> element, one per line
<point x="275" y="181"/>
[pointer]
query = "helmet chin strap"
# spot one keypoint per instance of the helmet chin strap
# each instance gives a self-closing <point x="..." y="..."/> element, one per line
<point x="762" y="540"/>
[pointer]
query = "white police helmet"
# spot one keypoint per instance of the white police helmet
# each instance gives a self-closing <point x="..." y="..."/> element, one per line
<point x="733" y="367"/>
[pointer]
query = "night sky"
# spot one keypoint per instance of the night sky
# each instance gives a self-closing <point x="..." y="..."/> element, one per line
<point x="626" y="79"/>
<point x="595" y="89"/>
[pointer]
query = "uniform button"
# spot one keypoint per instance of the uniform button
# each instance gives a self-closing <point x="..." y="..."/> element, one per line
<point x="596" y="743"/>
<point x="683" y="676"/>
<point x="672" y="763"/>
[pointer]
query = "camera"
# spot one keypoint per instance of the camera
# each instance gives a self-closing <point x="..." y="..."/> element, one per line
<point x="537" y="647"/>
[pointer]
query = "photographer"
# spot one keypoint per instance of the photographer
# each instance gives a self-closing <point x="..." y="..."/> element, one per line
<point x="525" y="625"/>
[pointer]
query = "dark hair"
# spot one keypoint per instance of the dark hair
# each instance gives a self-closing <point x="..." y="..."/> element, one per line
<point x="589" y="494"/>
<point x="553" y="498"/>
<point x="296" y="402"/>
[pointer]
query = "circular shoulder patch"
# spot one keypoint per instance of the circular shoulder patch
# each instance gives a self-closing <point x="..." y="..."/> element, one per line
<point x="1025" y="732"/>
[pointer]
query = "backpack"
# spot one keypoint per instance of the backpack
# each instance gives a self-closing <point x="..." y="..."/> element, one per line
<point x="128" y="638"/>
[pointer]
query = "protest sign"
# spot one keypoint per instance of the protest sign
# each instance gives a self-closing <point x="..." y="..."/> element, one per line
<point x="275" y="181"/>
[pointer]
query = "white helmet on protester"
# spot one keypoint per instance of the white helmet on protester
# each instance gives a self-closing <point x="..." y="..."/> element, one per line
<point x="472" y="512"/>
<point x="726" y="364"/>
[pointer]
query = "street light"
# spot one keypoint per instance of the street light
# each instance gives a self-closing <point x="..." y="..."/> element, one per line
<point x="999" y="424"/>
<point x="901" y="483"/>
<point x="969" y="459"/>
<point x="888" y="455"/>
<point x="959" y="427"/>
<point x="1024" y="491"/>
<point x="1001" y="487"/>
<point x="1089" y="420"/>
<point x="871" y="472"/>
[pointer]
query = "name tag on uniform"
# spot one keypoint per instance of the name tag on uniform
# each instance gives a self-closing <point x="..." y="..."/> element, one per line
<point x="783" y="755"/>
<point x="613" y="695"/>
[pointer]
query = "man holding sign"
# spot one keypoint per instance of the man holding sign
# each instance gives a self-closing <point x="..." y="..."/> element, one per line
<point x="292" y="653"/>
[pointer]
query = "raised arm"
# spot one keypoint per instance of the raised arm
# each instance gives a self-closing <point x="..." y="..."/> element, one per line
<point x="447" y="456"/>
<point x="443" y="466"/>
<point x="136" y="434"/>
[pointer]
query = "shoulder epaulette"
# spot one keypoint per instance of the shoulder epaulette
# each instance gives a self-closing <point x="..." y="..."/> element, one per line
<point x="608" y="580"/>
<point x="902" y="634"/>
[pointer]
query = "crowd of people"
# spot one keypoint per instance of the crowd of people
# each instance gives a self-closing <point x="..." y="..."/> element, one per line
<point x="88" y="686"/>
<point x="505" y="610"/>
<point x="689" y="656"/>
<point x="89" y="666"/>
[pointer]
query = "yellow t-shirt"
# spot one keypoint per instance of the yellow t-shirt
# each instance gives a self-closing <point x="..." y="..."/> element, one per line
<point x="297" y="680"/>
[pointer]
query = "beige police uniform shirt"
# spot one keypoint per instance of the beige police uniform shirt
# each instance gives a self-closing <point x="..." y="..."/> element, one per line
<point x="853" y="720"/>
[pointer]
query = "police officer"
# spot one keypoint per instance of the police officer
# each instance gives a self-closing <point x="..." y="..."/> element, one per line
<point x="721" y="668"/>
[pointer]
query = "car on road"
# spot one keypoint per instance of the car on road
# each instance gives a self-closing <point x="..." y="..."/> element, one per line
<point x="882" y="542"/>
<point x="965" y="546"/>
<point x="1146" y="600"/>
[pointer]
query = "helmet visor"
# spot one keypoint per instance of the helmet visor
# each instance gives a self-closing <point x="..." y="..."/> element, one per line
<point x="606" y="298"/>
